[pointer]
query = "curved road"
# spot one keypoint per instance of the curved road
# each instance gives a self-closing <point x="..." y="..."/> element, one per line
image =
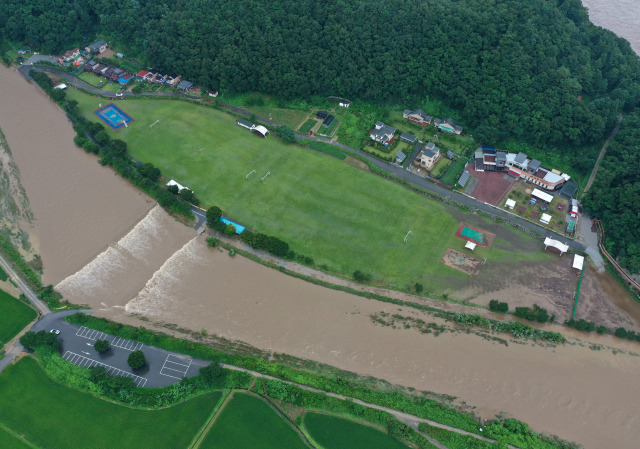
<point x="40" y="306"/>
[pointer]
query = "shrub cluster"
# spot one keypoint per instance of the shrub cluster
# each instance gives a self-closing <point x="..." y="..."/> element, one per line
<point x="515" y="328"/>
<point x="536" y="313"/>
<point x="621" y="332"/>
<point x="33" y="340"/>
<point x="497" y="306"/>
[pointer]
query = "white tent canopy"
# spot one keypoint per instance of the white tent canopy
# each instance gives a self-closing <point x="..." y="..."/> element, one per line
<point x="546" y="218"/>
<point x="262" y="130"/>
<point x="578" y="262"/>
<point x="543" y="196"/>
<point x="470" y="245"/>
<point x="510" y="203"/>
<point x="556" y="244"/>
<point x="173" y="183"/>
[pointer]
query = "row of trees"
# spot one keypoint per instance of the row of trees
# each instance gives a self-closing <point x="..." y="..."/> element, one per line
<point x="538" y="70"/>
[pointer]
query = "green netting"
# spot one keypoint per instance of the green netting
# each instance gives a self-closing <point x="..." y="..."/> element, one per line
<point x="472" y="234"/>
<point x="572" y="224"/>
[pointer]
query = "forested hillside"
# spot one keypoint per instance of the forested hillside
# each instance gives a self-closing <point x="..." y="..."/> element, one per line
<point x="511" y="68"/>
<point x="615" y="194"/>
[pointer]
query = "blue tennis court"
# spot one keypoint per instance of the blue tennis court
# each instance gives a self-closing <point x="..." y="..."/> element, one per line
<point x="113" y="116"/>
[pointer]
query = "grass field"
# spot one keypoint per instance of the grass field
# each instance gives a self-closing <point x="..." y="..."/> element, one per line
<point x="96" y="81"/>
<point x="332" y="432"/>
<point x="342" y="217"/>
<point x="54" y="416"/>
<point x="248" y="422"/>
<point x="14" y="316"/>
<point x="8" y="441"/>
<point x="307" y="126"/>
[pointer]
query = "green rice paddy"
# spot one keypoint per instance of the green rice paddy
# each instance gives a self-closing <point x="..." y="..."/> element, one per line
<point x="54" y="416"/>
<point x="248" y="422"/>
<point x="332" y="432"/>
<point x="344" y="218"/>
<point x="14" y="316"/>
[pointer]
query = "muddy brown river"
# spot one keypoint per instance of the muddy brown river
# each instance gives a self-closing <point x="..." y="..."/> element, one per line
<point x="106" y="245"/>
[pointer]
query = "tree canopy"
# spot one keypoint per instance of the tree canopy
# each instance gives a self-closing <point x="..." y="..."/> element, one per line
<point x="535" y="70"/>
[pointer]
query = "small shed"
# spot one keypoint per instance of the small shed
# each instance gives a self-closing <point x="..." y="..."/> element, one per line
<point x="185" y="85"/>
<point x="400" y="157"/>
<point x="345" y="103"/>
<point x="470" y="245"/>
<point x="510" y="204"/>
<point x="546" y="218"/>
<point x="322" y="114"/>
<point x="450" y="155"/>
<point x="408" y="137"/>
<point x="555" y="246"/>
<point x="578" y="262"/>
<point x="328" y="121"/>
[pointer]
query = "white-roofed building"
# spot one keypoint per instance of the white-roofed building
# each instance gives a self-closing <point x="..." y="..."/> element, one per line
<point x="578" y="262"/>
<point x="555" y="246"/>
<point x="510" y="204"/>
<point x="470" y="245"/>
<point x="542" y="195"/>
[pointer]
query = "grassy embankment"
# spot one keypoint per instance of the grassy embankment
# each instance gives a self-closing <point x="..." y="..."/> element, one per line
<point x="52" y="415"/>
<point x="14" y="316"/>
<point x="343" y="217"/>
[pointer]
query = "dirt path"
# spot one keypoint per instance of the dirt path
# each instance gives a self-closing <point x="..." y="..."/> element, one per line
<point x="600" y="156"/>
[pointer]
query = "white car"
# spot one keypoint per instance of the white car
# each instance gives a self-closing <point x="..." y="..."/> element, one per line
<point x="54" y="331"/>
<point x="119" y="94"/>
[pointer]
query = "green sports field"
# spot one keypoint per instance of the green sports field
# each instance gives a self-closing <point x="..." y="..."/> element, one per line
<point x="248" y="422"/>
<point x="9" y="441"/>
<point x="54" y="416"/>
<point x="341" y="216"/>
<point x="332" y="432"/>
<point x="14" y="316"/>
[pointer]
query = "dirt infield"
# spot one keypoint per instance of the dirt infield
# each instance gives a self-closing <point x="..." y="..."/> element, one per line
<point x="460" y="261"/>
<point x="487" y="240"/>
<point x="491" y="186"/>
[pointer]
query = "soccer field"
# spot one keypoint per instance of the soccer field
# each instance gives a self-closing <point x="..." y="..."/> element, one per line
<point x="341" y="216"/>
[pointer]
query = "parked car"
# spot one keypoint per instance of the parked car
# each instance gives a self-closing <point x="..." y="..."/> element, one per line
<point x="119" y="94"/>
<point x="55" y="331"/>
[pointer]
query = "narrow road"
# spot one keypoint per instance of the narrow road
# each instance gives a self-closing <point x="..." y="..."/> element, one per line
<point x="600" y="156"/>
<point x="40" y="306"/>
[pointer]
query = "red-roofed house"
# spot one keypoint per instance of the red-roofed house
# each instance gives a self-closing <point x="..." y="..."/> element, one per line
<point x="141" y="75"/>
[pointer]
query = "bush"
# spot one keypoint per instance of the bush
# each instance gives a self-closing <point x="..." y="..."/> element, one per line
<point x="602" y="330"/>
<point x="214" y="375"/>
<point x="359" y="276"/>
<point x="34" y="340"/>
<point x="419" y="287"/>
<point x="173" y="189"/>
<point x="536" y="313"/>
<point x="213" y="215"/>
<point x="101" y="346"/>
<point x="149" y="171"/>
<point x="497" y="306"/>
<point x="136" y="359"/>
<point x="621" y="332"/>
<point x="229" y="230"/>
<point x="212" y="241"/>
<point x="286" y="134"/>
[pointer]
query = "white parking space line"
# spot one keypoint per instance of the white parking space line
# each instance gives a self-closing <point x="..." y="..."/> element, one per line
<point x="90" y="334"/>
<point x="127" y="345"/>
<point x="80" y="360"/>
<point x="175" y="366"/>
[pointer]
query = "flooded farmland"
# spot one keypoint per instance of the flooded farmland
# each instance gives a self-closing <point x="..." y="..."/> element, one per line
<point x="106" y="245"/>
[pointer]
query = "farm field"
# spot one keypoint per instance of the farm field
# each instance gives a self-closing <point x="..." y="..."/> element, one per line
<point x="9" y="441"/>
<point x="14" y="316"/>
<point x="52" y="415"/>
<point x="247" y="421"/>
<point x="342" y="217"/>
<point x="332" y="432"/>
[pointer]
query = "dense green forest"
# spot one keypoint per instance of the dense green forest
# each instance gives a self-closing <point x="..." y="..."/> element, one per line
<point x="615" y="194"/>
<point x="535" y="71"/>
<point x="511" y="68"/>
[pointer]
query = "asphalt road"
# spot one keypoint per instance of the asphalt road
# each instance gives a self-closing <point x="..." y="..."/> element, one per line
<point x="40" y="306"/>
<point x="163" y="367"/>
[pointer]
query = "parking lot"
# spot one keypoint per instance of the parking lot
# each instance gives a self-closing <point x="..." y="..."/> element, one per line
<point x="162" y="368"/>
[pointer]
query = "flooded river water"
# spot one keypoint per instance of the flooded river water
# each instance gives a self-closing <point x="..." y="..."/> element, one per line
<point x="106" y="245"/>
<point x="620" y="16"/>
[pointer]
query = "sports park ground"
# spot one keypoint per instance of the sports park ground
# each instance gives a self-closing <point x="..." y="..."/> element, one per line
<point x="14" y="316"/>
<point x="343" y="217"/>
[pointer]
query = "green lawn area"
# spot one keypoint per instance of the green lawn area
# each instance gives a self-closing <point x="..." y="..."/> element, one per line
<point x="306" y="126"/>
<point x="248" y="422"/>
<point x="332" y="432"/>
<point x="454" y="171"/>
<point x="94" y="80"/>
<point x="340" y="216"/>
<point x="54" y="416"/>
<point x="441" y="166"/>
<point x="14" y="316"/>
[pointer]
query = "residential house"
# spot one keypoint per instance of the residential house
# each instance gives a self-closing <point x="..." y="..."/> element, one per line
<point x="78" y="61"/>
<point x="172" y="80"/>
<point x="382" y="133"/>
<point x="490" y="159"/>
<point x="140" y="76"/>
<point x="100" y="69"/>
<point x="68" y="56"/>
<point x="417" y="116"/>
<point x="185" y="86"/>
<point x="322" y="114"/>
<point x="97" y="47"/>
<point x="408" y="137"/>
<point x="107" y="73"/>
<point x="429" y="156"/>
<point x="90" y="66"/>
<point x="125" y="78"/>
<point x="448" y="125"/>
<point x="160" y="78"/>
<point x="117" y="72"/>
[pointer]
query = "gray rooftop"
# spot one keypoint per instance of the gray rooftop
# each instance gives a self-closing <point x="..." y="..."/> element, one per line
<point x="534" y="165"/>
<point x="245" y="122"/>
<point x="185" y="85"/>
<point x="521" y="158"/>
<point x="408" y="137"/>
<point x="450" y="154"/>
<point x="400" y="157"/>
<point x="464" y="179"/>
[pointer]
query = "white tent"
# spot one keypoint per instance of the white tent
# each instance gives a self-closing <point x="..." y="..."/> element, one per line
<point x="546" y="218"/>
<point x="578" y="262"/>
<point x="548" y="242"/>
<point x="173" y="183"/>
<point x="62" y="86"/>
<point x="543" y="196"/>
<point x="470" y="245"/>
<point x="510" y="203"/>
<point x="262" y="130"/>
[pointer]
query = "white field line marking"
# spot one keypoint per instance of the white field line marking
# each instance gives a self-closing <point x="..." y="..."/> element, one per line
<point x="79" y="360"/>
